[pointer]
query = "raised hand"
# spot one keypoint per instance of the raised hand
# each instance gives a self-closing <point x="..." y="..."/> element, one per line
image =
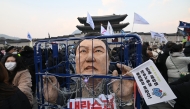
<point x="50" y="88"/>
<point x="125" y="89"/>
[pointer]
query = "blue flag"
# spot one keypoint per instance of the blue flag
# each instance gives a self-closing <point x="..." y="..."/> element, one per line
<point x="29" y="37"/>
<point x="184" y="24"/>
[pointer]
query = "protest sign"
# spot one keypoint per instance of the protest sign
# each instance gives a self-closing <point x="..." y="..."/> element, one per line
<point x="93" y="103"/>
<point x="151" y="83"/>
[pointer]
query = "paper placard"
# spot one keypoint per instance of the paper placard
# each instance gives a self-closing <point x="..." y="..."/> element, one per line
<point x="151" y="83"/>
<point x="98" y="103"/>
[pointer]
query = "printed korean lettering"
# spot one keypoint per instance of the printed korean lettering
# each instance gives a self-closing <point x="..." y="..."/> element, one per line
<point x="140" y="78"/>
<point x="148" y="70"/>
<point x="147" y="92"/>
<point x="154" y="80"/>
<point x="146" y="78"/>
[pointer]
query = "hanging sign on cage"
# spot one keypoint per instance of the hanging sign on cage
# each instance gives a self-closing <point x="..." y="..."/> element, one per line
<point x="151" y="83"/>
<point x="101" y="102"/>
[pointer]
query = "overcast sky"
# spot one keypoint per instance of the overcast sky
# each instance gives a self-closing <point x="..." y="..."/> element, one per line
<point x="59" y="17"/>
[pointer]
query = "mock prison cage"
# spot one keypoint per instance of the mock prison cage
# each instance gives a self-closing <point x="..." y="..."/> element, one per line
<point x="55" y="58"/>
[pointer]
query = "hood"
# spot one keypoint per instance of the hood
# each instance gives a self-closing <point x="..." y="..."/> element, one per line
<point x="177" y="54"/>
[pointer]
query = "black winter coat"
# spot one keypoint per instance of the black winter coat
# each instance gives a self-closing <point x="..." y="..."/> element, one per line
<point x="181" y="89"/>
<point x="161" y="64"/>
<point x="17" y="101"/>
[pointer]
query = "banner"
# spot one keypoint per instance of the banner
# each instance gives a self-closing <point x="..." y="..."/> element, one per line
<point x="159" y="36"/>
<point x="151" y="83"/>
<point x="93" y="103"/>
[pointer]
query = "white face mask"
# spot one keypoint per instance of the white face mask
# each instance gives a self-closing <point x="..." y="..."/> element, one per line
<point x="10" y="65"/>
<point x="14" y="52"/>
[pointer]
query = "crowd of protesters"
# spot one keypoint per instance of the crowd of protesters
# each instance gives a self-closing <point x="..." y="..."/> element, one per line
<point x="18" y="82"/>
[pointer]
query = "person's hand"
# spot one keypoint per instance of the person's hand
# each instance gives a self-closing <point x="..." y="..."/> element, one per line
<point x="125" y="90"/>
<point x="50" y="88"/>
<point x="51" y="79"/>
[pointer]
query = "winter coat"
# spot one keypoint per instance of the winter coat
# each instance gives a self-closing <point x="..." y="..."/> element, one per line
<point x="23" y="81"/>
<point x="178" y="64"/>
<point x="28" y="60"/>
<point x="16" y="101"/>
<point x="181" y="89"/>
<point x="161" y="63"/>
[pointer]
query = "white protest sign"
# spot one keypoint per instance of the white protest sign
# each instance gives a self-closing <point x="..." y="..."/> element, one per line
<point x="151" y="83"/>
<point x="97" y="103"/>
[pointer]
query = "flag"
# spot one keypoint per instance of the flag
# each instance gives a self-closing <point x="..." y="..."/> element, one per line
<point x="156" y="35"/>
<point x="5" y="42"/>
<point x="29" y="37"/>
<point x="163" y="39"/>
<point x="103" y="31"/>
<point x="159" y="36"/>
<point x="184" y="24"/>
<point x="110" y="29"/>
<point x="122" y="32"/>
<point x="90" y="21"/>
<point x="139" y="20"/>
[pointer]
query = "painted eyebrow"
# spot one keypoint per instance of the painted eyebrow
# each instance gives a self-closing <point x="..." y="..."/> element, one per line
<point x="87" y="47"/>
<point x="82" y="47"/>
<point x="99" y="47"/>
<point x="94" y="47"/>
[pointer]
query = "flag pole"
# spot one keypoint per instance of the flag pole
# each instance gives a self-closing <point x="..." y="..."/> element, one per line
<point x="133" y="22"/>
<point x="132" y="26"/>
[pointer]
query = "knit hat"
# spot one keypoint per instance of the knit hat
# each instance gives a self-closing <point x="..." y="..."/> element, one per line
<point x="9" y="48"/>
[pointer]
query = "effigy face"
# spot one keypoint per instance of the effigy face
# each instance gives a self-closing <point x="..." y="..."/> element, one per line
<point x="92" y="58"/>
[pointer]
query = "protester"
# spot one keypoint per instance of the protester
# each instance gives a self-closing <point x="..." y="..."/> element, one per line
<point x="27" y="56"/>
<point x="181" y="89"/>
<point x="161" y="60"/>
<point x="155" y="51"/>
<point x="9" y="50"/>
<point x="18" y="75"/>
<point x="98" y="64"/>
<point x="176" y="63"/>
<point x="11" y="97"/>
<point x="146" y="54"/>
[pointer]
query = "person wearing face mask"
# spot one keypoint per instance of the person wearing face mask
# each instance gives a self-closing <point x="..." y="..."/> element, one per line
<point x="18" y="75"/>
<point x="11" y="97"/>
<point x="9" y="50"/>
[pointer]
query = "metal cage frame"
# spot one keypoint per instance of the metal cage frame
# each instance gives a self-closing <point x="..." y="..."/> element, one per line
<point x="39" y="71"/>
